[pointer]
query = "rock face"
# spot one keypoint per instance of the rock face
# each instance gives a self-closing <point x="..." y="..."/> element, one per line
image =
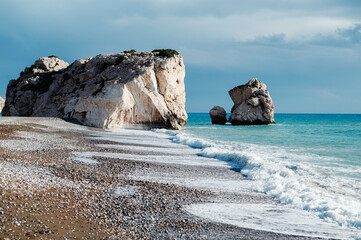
<point x="252" y="104"/>
<point x="218" y="115"/>
<point x="107" y="91"/>
<point x="2" y="103"/>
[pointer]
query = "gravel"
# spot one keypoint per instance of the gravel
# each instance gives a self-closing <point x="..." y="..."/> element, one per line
<point x="46" y="192"/>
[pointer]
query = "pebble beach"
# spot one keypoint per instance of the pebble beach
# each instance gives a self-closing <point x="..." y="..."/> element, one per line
<point x="61" y="180"/>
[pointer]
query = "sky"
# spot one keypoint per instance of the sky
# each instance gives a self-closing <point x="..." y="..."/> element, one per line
<point x="308" y="53"/>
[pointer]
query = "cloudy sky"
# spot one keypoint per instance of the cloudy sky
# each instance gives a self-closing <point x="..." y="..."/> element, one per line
<point x="307" y="52"/>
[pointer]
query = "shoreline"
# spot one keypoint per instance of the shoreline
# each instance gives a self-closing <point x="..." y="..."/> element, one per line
<point x="135" y="188"/>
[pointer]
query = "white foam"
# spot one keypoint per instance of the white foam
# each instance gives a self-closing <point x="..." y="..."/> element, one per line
<point x="167" y="159"/>
<point x="271" y="170"/>
<point x="154" y="150"/>
<point x="273" y="218"/>
<point x="191" y="141"/>
<point x="134" y="140"/>
<point x="144" y="134"/>
<point x="290" y="177"/>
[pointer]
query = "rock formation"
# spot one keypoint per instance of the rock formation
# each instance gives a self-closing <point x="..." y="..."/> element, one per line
<point x="107" y="91"/>
<point x="218" y="115"/>
<point x="2" y="103"/>
<point x="252" y="104"/>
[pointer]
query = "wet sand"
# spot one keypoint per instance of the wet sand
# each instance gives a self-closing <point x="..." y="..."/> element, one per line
<point x="50" y="190"/>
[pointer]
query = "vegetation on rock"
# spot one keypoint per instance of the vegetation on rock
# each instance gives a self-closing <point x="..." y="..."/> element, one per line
<point x="130" y="51"/>
<point x="53" y="56"/>
<point x="165" y="52"/>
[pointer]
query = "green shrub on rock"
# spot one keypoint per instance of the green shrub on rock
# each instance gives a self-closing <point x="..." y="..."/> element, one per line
<point x="165" y="52"/>
<point x="130" y="51"/>
<point x="53" y="56"/>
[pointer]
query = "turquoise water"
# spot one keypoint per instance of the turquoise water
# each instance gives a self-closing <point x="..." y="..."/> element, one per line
<point x="332" y="135"/>
<point x="309" y="161"/>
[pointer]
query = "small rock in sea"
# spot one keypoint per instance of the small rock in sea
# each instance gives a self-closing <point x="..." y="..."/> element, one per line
<point x="218" y="115"/>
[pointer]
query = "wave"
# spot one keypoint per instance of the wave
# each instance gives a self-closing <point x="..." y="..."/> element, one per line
<point x="293" y="177"/>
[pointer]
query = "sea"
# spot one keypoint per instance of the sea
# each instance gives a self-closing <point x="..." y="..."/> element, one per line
<point x="309" y="162"/>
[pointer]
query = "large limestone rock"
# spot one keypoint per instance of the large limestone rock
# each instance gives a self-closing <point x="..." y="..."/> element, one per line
<point x="252" y="104"/>
<point x="107" y="91"/>
<point x="2" y="104"/>
<point x="218" y="115"/>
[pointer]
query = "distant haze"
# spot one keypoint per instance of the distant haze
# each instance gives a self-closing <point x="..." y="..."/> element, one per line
<point x="307" y="52"/>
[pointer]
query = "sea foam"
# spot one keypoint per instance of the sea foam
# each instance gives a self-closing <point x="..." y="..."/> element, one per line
<point x="273" y="218"/>
<point x="290" y="176"/>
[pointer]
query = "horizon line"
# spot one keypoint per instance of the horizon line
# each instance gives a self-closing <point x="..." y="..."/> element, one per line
<point x="299" y="113"/>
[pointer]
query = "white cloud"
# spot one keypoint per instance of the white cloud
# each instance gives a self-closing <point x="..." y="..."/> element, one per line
<point x="245" y="27"/>
<point x="191" y="21"/>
